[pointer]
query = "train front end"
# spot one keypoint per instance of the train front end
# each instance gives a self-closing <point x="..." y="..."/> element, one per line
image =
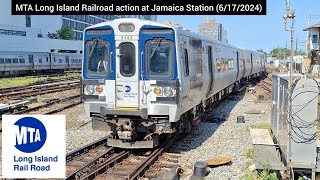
<point x="131" y="85"/>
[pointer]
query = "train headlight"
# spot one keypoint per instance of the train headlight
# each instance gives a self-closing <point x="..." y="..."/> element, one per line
<point x="99" y="89"/>
<point x="126" y="27"/>
<point x="168" y="91"/>
<point x="157" y="91"/>
<point x="90" y="89"/>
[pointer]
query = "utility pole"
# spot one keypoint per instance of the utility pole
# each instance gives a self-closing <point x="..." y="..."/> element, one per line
<point x="290" y="15"/>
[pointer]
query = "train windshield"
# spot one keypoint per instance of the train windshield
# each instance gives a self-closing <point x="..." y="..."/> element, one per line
<point x="98" y="59"/>
<point x="159" y="58"/>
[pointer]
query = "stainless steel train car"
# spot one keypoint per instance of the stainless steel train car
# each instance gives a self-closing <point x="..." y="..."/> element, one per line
<point x="17" y="63"/>
<point x="144" y="79"/>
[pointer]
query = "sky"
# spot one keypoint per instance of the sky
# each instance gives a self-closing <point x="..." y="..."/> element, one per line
<point x="260" y="32"/>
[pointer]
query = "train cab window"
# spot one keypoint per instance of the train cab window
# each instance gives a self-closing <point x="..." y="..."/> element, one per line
<point x="186" y="62"/>
<point x="98" y="57"/>
<point x="159" y="58"/>
<point x="8" y="60"/>
<point x="218" y="65"/>
<point x="40" y="60"/>
<point x="1" y="61"/>
<point x="21" y="60"/>
<point x="127" y="59"/>
<point x="15" y="60"/>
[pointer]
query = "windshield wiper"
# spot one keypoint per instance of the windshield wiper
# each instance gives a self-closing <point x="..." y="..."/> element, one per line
<point x="158" y="43"/>
<point x="93" y="47"/>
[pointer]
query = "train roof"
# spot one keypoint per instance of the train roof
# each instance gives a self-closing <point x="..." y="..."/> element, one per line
<point x="175" y="27"/>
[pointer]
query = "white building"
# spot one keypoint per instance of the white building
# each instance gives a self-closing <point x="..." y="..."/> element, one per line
<point x="313" y="38"/>
<point x="313" y="43"/>
<point x="30" y="33"/>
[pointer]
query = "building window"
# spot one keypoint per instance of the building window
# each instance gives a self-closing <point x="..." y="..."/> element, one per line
<point x="12" y="32"/>
<point x="87" y="18"/>
<point x="28" y="21"/>
<point x="314" y="38"/>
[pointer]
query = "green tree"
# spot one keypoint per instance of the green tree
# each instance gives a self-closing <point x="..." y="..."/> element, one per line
<point x="65" y="33"/>
<point x="282" y="53"/>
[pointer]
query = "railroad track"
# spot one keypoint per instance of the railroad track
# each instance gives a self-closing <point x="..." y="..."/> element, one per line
<point x="20" y="88"/>
<point x="52" y="111"/>
<point x="48" y="105"/>
<point x="266" y="84"/>
<point x="98" y="161"/>
<point x="40" y="90"/>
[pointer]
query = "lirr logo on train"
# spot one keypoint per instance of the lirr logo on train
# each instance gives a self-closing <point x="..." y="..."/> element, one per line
<point x="33" y="146"/>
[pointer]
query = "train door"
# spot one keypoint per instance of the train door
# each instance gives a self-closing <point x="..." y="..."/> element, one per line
<point x="67" y="62"/>
<point x="238" y="66"/>
<point x="30" y="62"/>
<point x="127" y="74"/>
<point x="211" y="73"/>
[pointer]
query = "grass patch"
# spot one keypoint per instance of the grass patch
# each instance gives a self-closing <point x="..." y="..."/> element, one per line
<point x="265" y="174"/>
<point x="19" y="81"/>
<point x="250" y="153"/>
<point x="259" y="126"/>
<point x="248" y="164"/>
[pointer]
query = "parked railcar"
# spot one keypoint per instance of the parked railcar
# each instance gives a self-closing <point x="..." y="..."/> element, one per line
<point x="143" y="79"/>
<point x="19" y="63"/>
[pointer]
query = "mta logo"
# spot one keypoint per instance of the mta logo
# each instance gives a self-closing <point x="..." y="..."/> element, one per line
<point x="127" y="89"/>
<point x="30" y="134"/>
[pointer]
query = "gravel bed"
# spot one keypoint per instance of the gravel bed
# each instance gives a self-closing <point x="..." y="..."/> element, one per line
<point x="78" y="137"/>
<point x="227" y="138"/>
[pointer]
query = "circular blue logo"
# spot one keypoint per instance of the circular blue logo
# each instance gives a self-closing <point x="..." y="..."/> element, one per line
<point x="127" y="88"/>
<point x="30" y="134"/>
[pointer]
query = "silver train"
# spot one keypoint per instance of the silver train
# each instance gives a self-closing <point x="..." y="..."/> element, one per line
<point x="19" y="63"/>
<point x="144" y="79"/>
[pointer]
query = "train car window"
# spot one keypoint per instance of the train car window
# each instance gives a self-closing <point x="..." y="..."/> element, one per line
<point x="186" y="62"/>
<point x="1" y="61"/>
<point x="218" y="65"/>
<point x="21" y="60"/>
<point x="15" y="60"/>
<point x="60" y="60"/>
<point x="47" y="59"/>
<point x="8" y="60"/>
<point x="54" y="59"/>
<point x="40" y="60"/>
<point x="222" y="64"/>
<point x="127" y="59"/>
<point x="98" y="57"/>
<point x="226" y="62"/>
<point x="159" y="58"/>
